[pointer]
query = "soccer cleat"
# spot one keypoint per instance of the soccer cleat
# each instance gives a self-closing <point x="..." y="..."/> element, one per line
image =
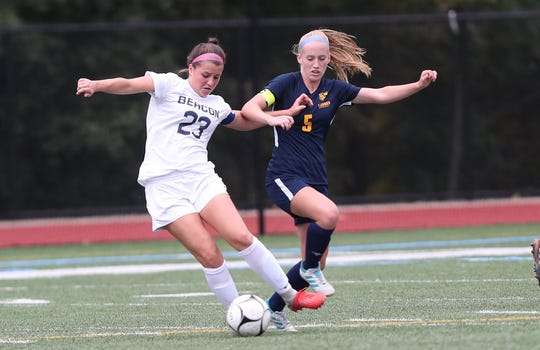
<point x="316" y="280"/>
<point x="281" y="322"/>
<point x="307" y="300"/>
<point x="535" y="251"/>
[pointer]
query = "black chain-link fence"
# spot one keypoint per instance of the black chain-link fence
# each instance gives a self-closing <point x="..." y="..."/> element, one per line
<point x="474" y="133"/>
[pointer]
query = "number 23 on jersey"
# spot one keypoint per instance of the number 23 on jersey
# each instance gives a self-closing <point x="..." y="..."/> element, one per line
<point x="191" y="118"/>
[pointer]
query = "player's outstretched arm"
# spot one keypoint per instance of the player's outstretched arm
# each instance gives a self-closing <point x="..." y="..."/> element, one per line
<point x="116" y="86"/>
<point x="393" y="93"/>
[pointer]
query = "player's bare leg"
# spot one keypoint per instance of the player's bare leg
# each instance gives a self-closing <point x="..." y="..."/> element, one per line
<point x="535" y="252"/>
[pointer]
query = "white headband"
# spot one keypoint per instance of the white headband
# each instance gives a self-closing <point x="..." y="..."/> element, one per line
<point x="311" y="38"/>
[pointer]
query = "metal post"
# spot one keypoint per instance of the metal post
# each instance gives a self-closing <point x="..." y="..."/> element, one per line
<point x="460" y="173"/>
<point x="9" y="137"/>
<point x="258" y="172"/>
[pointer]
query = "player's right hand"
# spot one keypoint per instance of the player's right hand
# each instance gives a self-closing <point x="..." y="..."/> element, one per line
<point x="283" y="121"/>
<point x="85" y="87"/>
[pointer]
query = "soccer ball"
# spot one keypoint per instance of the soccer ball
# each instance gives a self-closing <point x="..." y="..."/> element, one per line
<point x="248" y="315"/>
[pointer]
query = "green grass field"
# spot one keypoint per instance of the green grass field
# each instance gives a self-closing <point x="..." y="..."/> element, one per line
<point x="459" y="288"/>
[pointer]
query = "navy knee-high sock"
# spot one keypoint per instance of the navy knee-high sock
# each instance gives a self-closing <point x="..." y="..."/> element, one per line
<point x="276" y="303"/>
<point x="317" y="241"/>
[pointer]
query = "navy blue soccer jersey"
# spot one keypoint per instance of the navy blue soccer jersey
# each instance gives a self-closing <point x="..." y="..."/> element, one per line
<point x="300" y="151"/>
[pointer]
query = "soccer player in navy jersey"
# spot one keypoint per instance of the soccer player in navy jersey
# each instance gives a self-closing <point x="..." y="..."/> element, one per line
<point x="296" y="177"/>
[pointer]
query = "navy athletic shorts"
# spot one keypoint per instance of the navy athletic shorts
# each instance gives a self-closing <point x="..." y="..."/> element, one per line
<point x="282" y="191"/>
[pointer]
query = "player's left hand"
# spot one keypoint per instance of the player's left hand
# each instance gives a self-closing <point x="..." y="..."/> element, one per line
<point x="299" y="104"/>
<point x="427" y="77"/>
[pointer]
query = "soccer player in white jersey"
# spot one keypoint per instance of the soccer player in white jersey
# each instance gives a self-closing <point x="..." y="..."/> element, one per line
<point x="181" y="186"/>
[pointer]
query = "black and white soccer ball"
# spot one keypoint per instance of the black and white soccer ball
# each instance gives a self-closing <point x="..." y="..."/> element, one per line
<point x="248" y="315"/>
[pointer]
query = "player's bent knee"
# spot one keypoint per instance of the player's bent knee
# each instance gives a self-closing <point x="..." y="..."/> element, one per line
<point x="330" y="218"/>
<point x="241" y="241"/>
<point x="209" y="259"/>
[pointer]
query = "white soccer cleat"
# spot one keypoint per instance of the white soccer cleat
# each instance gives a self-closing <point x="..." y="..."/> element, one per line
<point x="281" y="322"/>
<point x="316" y="280"/>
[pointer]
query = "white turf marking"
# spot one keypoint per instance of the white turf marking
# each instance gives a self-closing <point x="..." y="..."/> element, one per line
<point x="12" y="289"/>
<point x="384" y="320"/>
<point x="160" y="332"/>
<point x="106" y="305"/>
<point x="16" y="341"/>
<point x="23" y="301"/>
<point x="508" y="312"/>
<point x="335" y="259"/>
<point x="352" y="323"/>
<point x="464" y="280"/>
<point x="177" y="295"/>
<point x="428" y="254"/>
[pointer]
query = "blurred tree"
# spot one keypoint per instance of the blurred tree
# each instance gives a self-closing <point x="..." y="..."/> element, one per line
<point x="60" y="151"/>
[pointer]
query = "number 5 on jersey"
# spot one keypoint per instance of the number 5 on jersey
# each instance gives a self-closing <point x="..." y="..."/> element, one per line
<point x="307" y="126"/>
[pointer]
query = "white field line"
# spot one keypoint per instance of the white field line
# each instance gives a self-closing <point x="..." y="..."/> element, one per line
<point x="176" y="295"/>
<point x="23" y="301"/>
<point x="12" y="289"/>
<point x="16" y="341"/>
<point x="335" y="259"/>
<point x="438" y="281"/>
<point x="352" y="323"/>
<point x="429" y="254"/>
<point x="508" y="312"/>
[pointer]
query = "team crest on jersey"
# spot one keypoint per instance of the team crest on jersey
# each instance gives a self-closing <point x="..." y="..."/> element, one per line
<point x="322" y="97"/>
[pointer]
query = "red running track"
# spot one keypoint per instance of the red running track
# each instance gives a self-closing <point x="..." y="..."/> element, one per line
<point x="355" y="218"/>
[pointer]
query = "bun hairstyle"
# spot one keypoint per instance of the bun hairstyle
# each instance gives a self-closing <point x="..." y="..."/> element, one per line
<point x="209" y="47"/>
<point x="346" y="57"/>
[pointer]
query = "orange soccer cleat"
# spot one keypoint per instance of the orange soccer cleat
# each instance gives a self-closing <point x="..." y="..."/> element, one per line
<point x="307" y="300"/>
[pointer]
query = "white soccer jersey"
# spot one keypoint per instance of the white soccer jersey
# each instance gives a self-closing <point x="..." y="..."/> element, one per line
<point x="179" y="124"/>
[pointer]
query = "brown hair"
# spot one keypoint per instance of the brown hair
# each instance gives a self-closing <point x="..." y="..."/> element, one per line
<point x="211" y="46"/>
<point x="346" y="57"/>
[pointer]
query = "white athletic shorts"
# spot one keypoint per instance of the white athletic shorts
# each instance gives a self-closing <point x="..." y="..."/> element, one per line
<point x="170" y="199"/>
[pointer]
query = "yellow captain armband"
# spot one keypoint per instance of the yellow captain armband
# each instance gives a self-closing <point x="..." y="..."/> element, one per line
<point x="268" y="97"/>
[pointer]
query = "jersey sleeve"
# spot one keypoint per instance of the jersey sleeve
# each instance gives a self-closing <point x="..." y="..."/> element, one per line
<point x="228" y="119"/>
<point x="162" y="83"/>
<point x="347" y="92"/>
<point x="225" y="110"/>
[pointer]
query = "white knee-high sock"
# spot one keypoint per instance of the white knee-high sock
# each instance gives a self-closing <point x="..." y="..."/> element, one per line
<point x="221" y="283"/>
<point x="263" y="263"/>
